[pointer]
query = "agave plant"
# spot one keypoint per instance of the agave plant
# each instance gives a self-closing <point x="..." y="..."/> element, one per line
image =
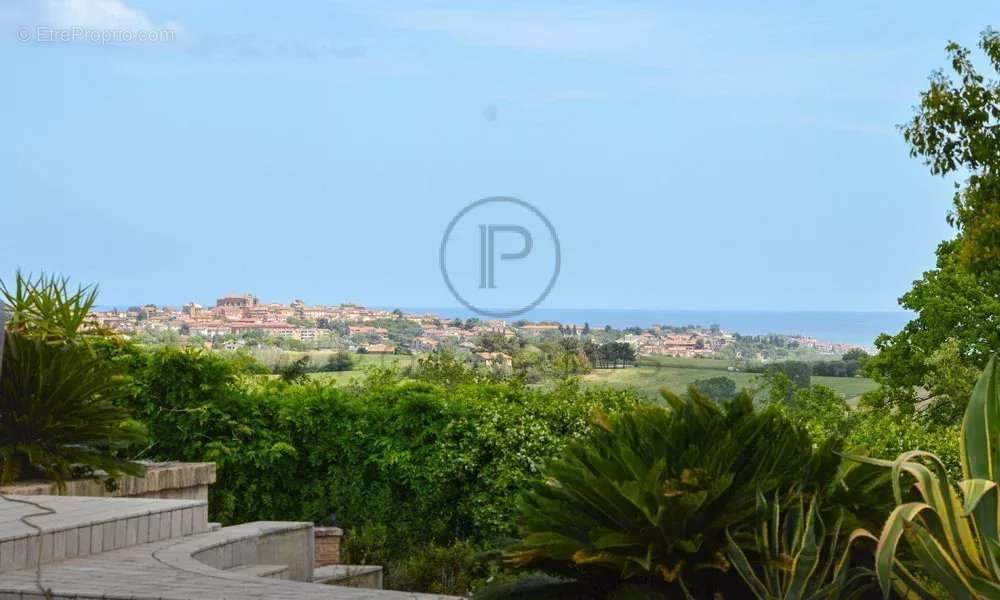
<point x="58" y="411"/>
<point x="798" y="556"/>
<point x="952" y="532"/>
<point x="648" y="497"/>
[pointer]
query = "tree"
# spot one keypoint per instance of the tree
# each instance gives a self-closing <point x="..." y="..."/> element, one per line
<point x="858" y="355"/>
<point x="953" y="306"/>
<point x="956" y="129"/>
<point x="295" y="371"/>
<point x="497" y="342"/>
<point x="339" y="361"/>
<point x="798" y="372"/>
<point x="609" y="354"/>
<point x="719" y="389"/>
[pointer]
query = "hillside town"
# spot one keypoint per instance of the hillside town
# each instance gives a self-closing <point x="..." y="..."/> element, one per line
<point x="240" y="320"/>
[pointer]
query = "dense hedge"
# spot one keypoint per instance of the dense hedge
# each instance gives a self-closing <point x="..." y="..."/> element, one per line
<point x="430" y="462"/>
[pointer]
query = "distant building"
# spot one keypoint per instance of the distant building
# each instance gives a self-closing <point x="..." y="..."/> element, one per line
<point x="380" y="349"/>
<point x="495" y="360"/>
<point x="237" y="301"/>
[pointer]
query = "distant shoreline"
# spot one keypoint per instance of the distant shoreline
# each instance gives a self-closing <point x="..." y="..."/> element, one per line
<point x="849" y="327"/>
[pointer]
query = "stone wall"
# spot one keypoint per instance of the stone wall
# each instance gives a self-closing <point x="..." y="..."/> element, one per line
<point x="170" y="481"/>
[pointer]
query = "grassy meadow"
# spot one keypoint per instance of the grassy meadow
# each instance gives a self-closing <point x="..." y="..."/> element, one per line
<point x="649" y="376"/>
<point x="676" y="374"/>
<point x="361" y="364"/>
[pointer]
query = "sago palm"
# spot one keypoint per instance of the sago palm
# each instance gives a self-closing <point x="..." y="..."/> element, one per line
<point x="58" y="411"/>
<point x="648" y="497"/>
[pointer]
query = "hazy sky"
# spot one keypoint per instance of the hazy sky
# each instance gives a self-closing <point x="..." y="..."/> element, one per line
<point x="689" y="154"/>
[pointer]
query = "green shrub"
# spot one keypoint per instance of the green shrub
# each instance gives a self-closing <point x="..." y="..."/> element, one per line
<point x="450" y="569"/>
<point x="365" y="545"/>
<point x="647" y="498"/>
<point x="719" y="389"/>
<point x="431" y="462"/>
<point x="820" y="410"/>
<point x="886" y="434"/>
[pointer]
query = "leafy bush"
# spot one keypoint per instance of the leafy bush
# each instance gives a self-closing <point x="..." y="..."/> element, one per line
<point x="647" y="498"/>
<point x="431" y="461"/>
<point x="58" y="416"/>
<point x="365" y="545"/>
<point x="886" y="434"/>
<point x="719" y="389"/>
<point x="339" y="361"/>
<point x="447" y="569"/>
<point x="820" y="410"/>
<point x="879" y="433"/>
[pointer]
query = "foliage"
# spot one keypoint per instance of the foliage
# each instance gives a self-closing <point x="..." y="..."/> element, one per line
<point x="401" y="331"/>
<point x="392" y="450"/>
<point x="446" y="368"/>
<point x="820" y="410"/>
<point x="58" y="415"/>
<point x="498" y="342"/>
<point x="858" y="355"/>
<point x="339" y="361"/>
<point x="880" y="433"/>
<point x="57" y="412"/>
<point x="798" y="372"/>
<point x="438" y="569"/>
<point x="836" y="368"/>
<point x="886" y="434"/>
<point x="648" y="496"/>
<point x="550" y="359"/>
<point x="798" y="556"/>
<point x="955" y="129"/>
<point x="955" y="330"/>
<point x="46" y="308"/>
<point x="952" y="536"/>
<point x="367" y="545"/>
<point x="719" y="389"/>
<point x="295" y="371"/>
<point x="610" y="355"/>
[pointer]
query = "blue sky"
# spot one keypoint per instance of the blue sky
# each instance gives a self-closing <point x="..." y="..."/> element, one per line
<point x="732" y="156"/>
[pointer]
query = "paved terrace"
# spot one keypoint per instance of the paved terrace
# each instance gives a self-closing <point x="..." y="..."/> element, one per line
<point x="122" y="548"/>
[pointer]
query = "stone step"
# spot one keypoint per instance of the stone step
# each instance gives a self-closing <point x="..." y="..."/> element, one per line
<point x="71" y="526"/>
<point x="355" y="576"/>
<point x="269" y="571"/>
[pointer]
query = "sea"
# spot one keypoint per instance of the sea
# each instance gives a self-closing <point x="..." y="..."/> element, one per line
<point x="850" y="327"/>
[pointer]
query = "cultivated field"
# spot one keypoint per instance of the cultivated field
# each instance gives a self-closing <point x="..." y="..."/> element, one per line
<point x="677" y="373"/>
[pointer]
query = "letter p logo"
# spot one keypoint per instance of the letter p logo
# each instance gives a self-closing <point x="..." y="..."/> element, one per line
<point x="527" y="254"/>
<point x="487" y="245"/>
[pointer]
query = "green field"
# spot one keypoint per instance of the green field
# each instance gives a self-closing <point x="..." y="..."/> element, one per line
<point x="677" y="373"/>
<point x="361" y="364"/>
